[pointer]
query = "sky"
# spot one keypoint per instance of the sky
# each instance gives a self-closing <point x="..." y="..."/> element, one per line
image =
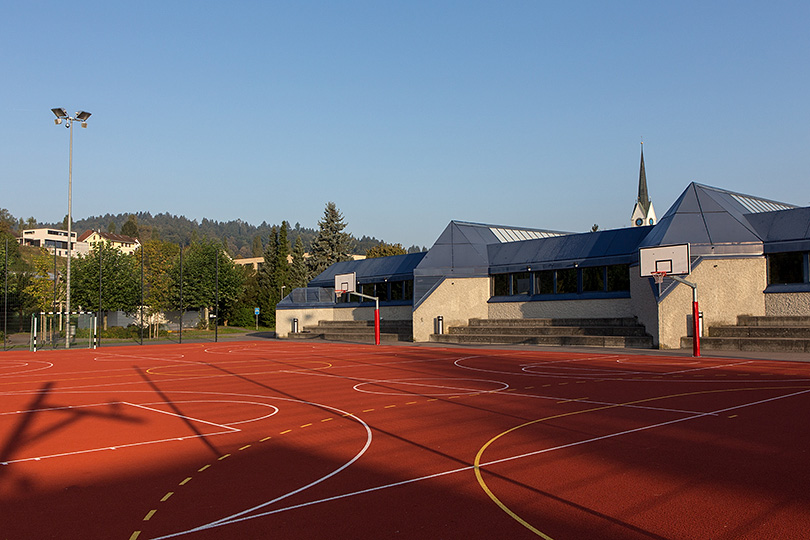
<point x="406" y="115"/>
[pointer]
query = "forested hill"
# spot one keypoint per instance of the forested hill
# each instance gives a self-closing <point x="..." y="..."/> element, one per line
<point x="238" y="235"/>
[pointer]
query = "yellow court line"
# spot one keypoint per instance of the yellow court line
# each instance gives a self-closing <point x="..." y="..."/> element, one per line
<point x="265" y="439"/>
<point x="513" y="515"/>
<point x="135" y="535"/>
<point x="201" y="469"/>
<point x="166" y="497"/>
<point x="149" y="515"/>
<point x="186" y="481"/>
<point x="220" y="458"/>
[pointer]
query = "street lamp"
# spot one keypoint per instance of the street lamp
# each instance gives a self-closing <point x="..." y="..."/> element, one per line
<point x="62" y="116"/>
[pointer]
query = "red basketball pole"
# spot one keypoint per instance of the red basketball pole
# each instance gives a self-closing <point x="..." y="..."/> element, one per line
<point x="695" y="324"/>
<point x="377" y="322"/>
<point x="695" y="316"/>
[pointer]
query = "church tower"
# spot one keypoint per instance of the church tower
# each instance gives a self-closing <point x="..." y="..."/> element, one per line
<point x="643" y="212"/>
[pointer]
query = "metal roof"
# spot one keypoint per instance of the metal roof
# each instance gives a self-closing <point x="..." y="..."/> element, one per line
<point x="712" y="221"/>
<point x="613" y="246"/>
<point x="393" y="268"/>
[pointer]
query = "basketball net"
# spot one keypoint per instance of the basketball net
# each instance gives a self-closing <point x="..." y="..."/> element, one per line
<point x="659" y="277"/>
<point x="339" y="293"/>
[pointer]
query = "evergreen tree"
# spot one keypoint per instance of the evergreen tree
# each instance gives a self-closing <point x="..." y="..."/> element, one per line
<point x="266" y="300"/>
<point x="257" y="248"/>
<point x="299" y="274"/>
<point x="130" y="228"/>
<point x="281" y="272"/>
<point x="331" y="244"/>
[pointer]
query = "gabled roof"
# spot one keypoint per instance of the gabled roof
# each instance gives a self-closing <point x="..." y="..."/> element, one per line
<point x="712" y="221"/>
<point x="461" y="249"/>
<point x="109" y="237"/>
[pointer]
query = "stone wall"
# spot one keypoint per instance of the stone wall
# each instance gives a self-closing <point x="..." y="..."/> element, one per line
<point x="787" y="304"/>
<point x="726" y="288"/>
<point x="555" y="309"/>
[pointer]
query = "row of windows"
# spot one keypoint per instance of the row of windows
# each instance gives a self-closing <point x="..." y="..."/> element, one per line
<point x="787" y="268"/>
<point x="386" y="291"/>
<point x="594" y="279"/>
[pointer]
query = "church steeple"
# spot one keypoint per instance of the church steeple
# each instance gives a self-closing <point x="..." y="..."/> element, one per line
<point x="643" y="212"/>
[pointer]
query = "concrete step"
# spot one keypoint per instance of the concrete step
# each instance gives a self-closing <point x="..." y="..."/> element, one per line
<point x="749" y="320"/>
<point x="558" y="340"/>
<point x="638" y="331"/>
<point x="798" y="332"/>
<point x="773" y="344"/>
<point x="611" y="321"/>
<point x="343" y="336"/>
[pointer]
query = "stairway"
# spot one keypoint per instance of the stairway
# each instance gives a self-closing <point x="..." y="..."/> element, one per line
<point x="593" y="332"/>
<point x="771" y="334"/>
<point x="359" y="331"/>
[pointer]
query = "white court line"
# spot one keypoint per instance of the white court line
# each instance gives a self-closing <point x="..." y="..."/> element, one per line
<point x="709" y="367"/>
<point x="190" y="418"/>
<point x="228" y="521"/>
<point x="234" y="518"/>
<point x="227" y="429"/>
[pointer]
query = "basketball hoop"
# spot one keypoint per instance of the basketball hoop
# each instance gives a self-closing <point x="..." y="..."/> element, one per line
<point x="659" y="277"/>
<point x="339" y="293"/>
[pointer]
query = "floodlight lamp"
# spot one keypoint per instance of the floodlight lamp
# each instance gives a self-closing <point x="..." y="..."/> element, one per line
<point x="57" y="121"/>
<point x="60" y="113"/>
<point x="83" y="116"/>
<point x="84" y="124"/>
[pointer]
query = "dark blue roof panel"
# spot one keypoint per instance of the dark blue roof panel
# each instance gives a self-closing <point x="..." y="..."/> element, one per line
<point x="397" y="267"/>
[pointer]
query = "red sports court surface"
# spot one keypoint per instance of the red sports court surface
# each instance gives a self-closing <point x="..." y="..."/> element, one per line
<point x="301" y="440"/>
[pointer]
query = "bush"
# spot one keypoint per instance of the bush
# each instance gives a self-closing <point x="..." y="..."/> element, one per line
<point x="243" y="316"/>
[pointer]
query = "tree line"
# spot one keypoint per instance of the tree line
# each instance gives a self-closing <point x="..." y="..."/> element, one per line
<point x="162" y="275"/>
<point x="239" y="238"/>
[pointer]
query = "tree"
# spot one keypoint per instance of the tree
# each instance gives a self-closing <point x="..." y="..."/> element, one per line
<point x="331" y="244"/>
<point x="40" y="287"/>
<point x="299" y="274"/>
<point x="595" y="227"/>
<point x="200" y="279"/>
<point x="257" y="249"/>
<point x="130" y="228"/>
<point x="120" y="286"/>
<point x="159" y="260"/>
<point x="111" y="227"/>
<point x="385" y="250"/>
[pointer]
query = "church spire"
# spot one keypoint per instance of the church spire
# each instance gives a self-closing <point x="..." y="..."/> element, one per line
<point x="643" y="212"/>
<point x="643" y="195"/>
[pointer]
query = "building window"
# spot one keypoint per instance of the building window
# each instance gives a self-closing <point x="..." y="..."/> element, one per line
<point x="785" y="268"/>
<point x="522" y="283"/>
<point x="567" y="281"/>
<point x="593" y="279"/>
<point x="577" y="281"/>
<point x="381" y="291"/>
<point x="397" y="290"/>
<point x="500" y="285"/>
<point x="544" y="282"/>
<point x="618" y="277"/>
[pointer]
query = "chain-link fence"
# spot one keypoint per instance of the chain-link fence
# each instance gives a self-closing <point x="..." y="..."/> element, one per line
<point x="161" y="292"/>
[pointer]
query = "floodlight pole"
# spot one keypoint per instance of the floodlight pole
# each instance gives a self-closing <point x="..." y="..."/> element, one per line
<point x="695" y="315"/>
<point x="376" y="314"/>
<point x="62" y="115"/>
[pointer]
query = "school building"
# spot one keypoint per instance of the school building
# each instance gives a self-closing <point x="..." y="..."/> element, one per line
<point x="748" y="258"/>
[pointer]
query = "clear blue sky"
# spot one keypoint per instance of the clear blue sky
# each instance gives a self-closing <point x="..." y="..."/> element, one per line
<point x="405" y="114"/>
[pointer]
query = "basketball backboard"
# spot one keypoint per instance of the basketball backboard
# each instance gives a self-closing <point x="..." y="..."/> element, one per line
<point x="674" y="260"/>
<point x="346" y="282"/>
